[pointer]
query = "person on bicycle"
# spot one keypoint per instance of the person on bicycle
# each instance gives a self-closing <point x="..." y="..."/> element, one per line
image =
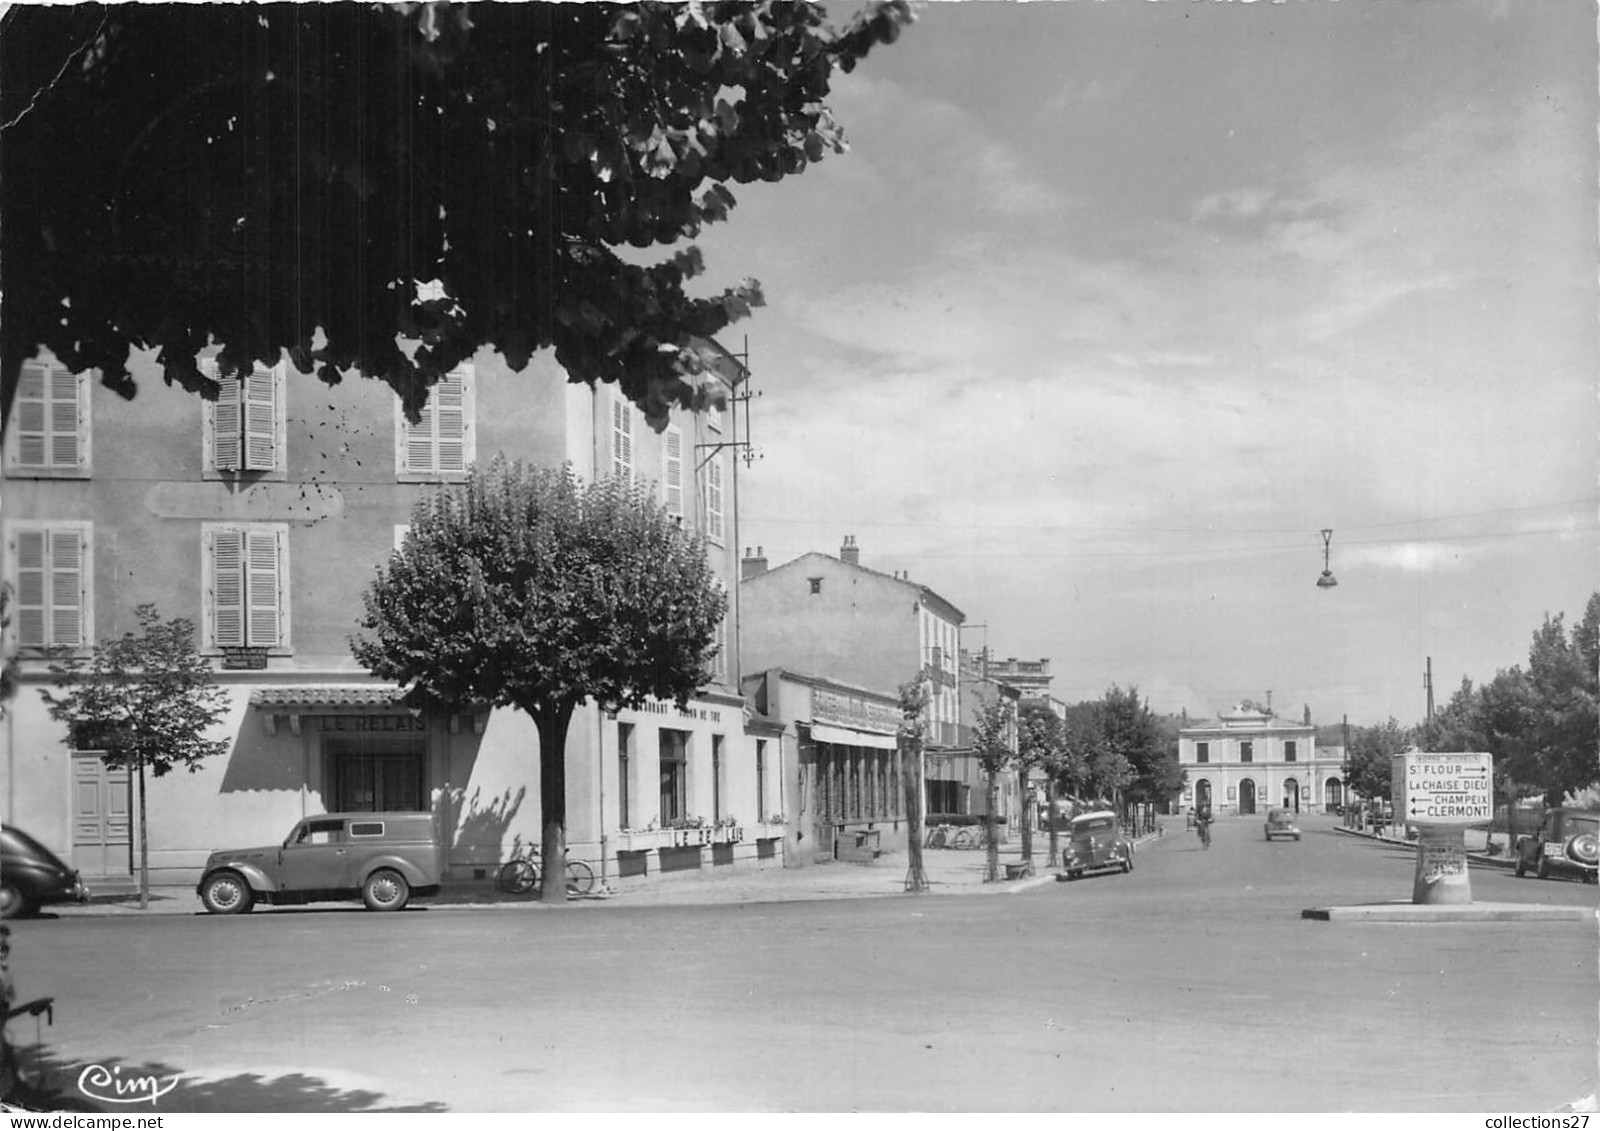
<point x="1202" y="823"/>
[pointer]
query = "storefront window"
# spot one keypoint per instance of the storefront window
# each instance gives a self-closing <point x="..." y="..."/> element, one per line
<point x="674" y="775"/>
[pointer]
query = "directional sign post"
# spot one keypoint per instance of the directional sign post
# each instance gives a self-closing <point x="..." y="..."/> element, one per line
<point x="1442" y="795"/>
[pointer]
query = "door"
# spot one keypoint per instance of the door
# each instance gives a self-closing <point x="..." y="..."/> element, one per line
<point x="1247" y="797"/>
<point x="1291" y="795"/>
<point x="102" y="838"/>
<point x="318" y="858"/>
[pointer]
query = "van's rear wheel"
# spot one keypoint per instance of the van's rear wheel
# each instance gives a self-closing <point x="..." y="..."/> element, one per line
<point x="226" y="893"/>
<point x="385" y="890"/>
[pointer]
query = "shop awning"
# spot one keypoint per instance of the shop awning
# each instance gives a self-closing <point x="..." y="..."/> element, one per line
<point x="311" y="698"/>
<point x="849" y="736"/>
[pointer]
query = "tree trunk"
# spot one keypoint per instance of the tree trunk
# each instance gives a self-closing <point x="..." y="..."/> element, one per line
<point x="144" y="845"/>
<point x="553" y="802"/>
<point x="1026" y="818"/>
<point x="911" y="774"/>
<point x="992" y="843"/>
<point x="1055" y="839"/>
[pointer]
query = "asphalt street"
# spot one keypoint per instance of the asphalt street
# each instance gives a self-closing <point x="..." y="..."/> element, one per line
<point x="1192" y="984"/>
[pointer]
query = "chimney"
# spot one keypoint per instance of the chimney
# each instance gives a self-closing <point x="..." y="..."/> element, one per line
<point x="753" y="564"/>
<point x="850" y="553"/>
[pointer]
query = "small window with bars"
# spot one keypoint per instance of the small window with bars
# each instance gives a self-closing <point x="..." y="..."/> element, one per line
<point x="442" y="444"/>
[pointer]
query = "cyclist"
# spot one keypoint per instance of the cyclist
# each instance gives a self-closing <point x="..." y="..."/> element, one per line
<point x="1202" y="823"/>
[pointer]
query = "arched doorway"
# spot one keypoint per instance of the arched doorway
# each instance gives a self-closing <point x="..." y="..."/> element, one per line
<point x="1291" y="795"/>
<point x="1202" y="794"/>
<point x="1247" y="797"/>
<point x="1333" y="794"/>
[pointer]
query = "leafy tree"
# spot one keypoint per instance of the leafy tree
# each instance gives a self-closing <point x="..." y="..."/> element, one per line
<point x="1564" y="728"/>
<point x="143" y="701"/>
<point x="8" y="661"/>
<point x="1041" y="743"/>
<point x="1134" y="733"/>
<point x="1457" y="725"/>
<point x="1081" y="742"/>
<point x="994" y="743"/>
<point x="914" y="698"/>
<point x="322" y="179"/>
<point x="1371" y="749"/>
<point x="524" y="588"/>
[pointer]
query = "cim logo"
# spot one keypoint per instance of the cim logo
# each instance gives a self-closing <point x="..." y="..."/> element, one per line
<point x="108" y="1085"/>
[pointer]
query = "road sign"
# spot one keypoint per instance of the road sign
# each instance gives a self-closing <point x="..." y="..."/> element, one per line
<point x="1443" y="789"/>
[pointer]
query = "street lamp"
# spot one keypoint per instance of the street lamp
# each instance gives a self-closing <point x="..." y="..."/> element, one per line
<point x="1327" y="580"/>
<point x="1345" y="769"/>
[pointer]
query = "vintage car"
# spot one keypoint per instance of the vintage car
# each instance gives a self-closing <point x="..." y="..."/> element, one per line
<point x="382" y="858"/>
<point x="1280" y="822"/>
<point x="1095" y="844"/>
<point x="32" y="876"/>
<point x="1568" y="842"/>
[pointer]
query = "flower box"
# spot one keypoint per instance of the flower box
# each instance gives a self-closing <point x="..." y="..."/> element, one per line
<point x="687" y="838"/>
<point x="727" y="834"/>
<point x="637" y="840"/>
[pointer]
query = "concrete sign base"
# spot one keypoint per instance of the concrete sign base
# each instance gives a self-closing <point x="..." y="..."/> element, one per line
<point x="1441" y="876"/>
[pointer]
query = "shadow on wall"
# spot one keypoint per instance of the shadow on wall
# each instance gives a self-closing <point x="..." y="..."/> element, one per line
<point x="262" y="761"/>
<point x="51" y="1084"/>
<point x="480" y="828"/>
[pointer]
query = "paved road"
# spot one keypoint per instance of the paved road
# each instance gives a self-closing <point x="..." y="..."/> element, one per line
<point x="1190" y="985"/>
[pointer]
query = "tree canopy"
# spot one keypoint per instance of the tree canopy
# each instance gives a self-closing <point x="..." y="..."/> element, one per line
<point x="326" y="179"/>
<point x="525" y="588"/>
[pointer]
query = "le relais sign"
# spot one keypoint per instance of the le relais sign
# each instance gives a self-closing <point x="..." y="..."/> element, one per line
<point x="1442" y="789"/>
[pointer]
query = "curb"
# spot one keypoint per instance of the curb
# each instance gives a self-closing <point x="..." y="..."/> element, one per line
<point x="1482" y="860"/>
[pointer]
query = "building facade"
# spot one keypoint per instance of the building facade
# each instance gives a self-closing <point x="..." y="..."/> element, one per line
<point x="261" y="517"/>
<point x="1248" y="760"/>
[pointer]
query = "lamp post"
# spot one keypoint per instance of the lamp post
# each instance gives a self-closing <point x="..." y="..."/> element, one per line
<point x="1345" y="770"/>
<point x="1327" y="580"/>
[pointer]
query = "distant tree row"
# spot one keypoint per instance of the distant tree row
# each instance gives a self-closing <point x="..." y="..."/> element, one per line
<point x="1541" y="722"/>
<point x="1113" y="749"/>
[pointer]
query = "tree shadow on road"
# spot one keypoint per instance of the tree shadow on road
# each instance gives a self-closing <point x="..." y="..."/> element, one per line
<point x="124" y="1086"/>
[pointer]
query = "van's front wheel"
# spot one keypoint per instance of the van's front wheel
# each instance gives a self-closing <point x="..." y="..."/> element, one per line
<point x="226" y="893"/>
<point x="385" y="890"/>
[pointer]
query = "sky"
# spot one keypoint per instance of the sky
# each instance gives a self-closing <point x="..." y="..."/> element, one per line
<point x="1113" y="307"/>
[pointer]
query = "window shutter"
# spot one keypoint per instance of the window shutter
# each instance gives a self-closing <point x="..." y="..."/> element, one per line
<point x="621" y="438"/>
<point x="673" y="475"/>
<point x="48" y="417"/>
<point x="31" y="588"/>
<point x="259" y="410"/>
<point x="261" y="588"/>
<point x="227" y="592"/>
<point x="64" y="418"/>
<point x="447" y="403"/>
<point x="66" y="587"/>
<point x="227" y="427"/>
<point x="714" y="499"/>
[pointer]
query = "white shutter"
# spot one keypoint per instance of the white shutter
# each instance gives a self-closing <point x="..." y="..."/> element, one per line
<point x="227" y="588"/>
<point x="31" y="607"/>
<point x="714" y="499"/>
<point x="227" y="424"/>
<point x="449" y="404"/>
<point x="260" y="413"/>
<point x="64" y="418"/>
<point x="621" y="437"/>
<point x="66" y="587"/>
<point x="262" y="591"/>
<point x="49" y="418"/>
<point x="672" y="475"/>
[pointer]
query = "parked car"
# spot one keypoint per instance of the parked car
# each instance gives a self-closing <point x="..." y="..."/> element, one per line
<point x="381" y="858"/>
<point x="1280" y="822"/>
<point x="32" y="876"/>
<point x="1568" y="842"/>
<point x="1096" y="844"/>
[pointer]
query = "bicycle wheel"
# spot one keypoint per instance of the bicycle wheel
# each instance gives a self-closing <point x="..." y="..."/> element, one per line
<point x="964" y="838"/>
<point x="937" y="838"/>
<point x="518" y="877"/>
<point x="580" y="878"/>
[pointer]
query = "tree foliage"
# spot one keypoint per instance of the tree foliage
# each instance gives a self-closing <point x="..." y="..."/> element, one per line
<point x="525" y="588"/>
<point x="1371" y="749"/>
<point x="321" y="179"/>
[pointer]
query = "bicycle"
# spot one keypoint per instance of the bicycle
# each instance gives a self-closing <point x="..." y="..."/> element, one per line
<point x="1205" y="833"/>
<point x="521" y="875"/>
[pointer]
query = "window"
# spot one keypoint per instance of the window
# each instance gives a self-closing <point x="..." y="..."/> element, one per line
<point x="716" y="396"/>
<point x="443" y="442"/>
<point x="816" y="584"/>
<point x="714" y="499"/>
<point x="401" y="529"/>
<point x="1202" y="752"/>
<point x="761" y="779"/>
<point x="1288" y="751"/>
<point x="376" y="774"/>
<point x="1247" y="751"/>
<point x="244" y="426"/>
<point x="944" y="797"/>
<point x="716" y="777"/>
<point x="50" y="432"/>
<point x="624" y="774"/>
<point x="674" y="775"/>
<point x="622" y="414"/>
<point x="246" y="578"/>
<point x="52" y="571"/>
<point x="322" y="832"/>
<point x="672" y="469"/>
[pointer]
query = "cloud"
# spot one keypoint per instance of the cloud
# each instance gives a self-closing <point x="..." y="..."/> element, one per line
<point x="1411" y="557"/>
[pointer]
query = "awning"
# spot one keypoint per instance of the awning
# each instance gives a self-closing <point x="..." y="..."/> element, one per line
<point x="313" y="698"/>
<point x="849" y="736"/>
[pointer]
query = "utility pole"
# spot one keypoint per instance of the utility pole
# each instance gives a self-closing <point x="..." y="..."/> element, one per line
<point x="1427" y="682"/>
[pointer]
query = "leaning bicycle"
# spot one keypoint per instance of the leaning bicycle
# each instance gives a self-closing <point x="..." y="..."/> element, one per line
<point x="521" y="875"/>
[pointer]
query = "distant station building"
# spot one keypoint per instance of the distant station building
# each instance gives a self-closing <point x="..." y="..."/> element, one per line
<point x="1248" y="760"/>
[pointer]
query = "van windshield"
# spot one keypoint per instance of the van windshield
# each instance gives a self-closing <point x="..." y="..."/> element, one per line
<point x="1093" y="825"/>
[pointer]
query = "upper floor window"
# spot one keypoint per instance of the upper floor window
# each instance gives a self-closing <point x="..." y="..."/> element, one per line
<point x="714" y="499"/>
<point x="50" y="425"/>
<point x="1202" y="752"/>
<point x="1288" y="751"/>
<point x="1247" y="751"/>
<point x="672" y="469"/>
<point x="50" y="567"/>
<point x="246" y="579"/>
<point x="245" y="425"/>
<point x="622" y="414"/>
<point x="443" y="441"/>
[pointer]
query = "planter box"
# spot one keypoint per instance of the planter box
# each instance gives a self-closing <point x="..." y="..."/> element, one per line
<point x="686" y="838"/>
<point x="727" y="834"/>
<point x="638" y="840"/>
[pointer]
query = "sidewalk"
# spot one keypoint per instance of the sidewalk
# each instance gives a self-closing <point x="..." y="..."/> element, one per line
<point x="949" y="872"/>
<point x="1395" y="835"/>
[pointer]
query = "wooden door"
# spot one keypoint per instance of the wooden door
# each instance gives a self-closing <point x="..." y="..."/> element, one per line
<point x="102" y="825"/>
